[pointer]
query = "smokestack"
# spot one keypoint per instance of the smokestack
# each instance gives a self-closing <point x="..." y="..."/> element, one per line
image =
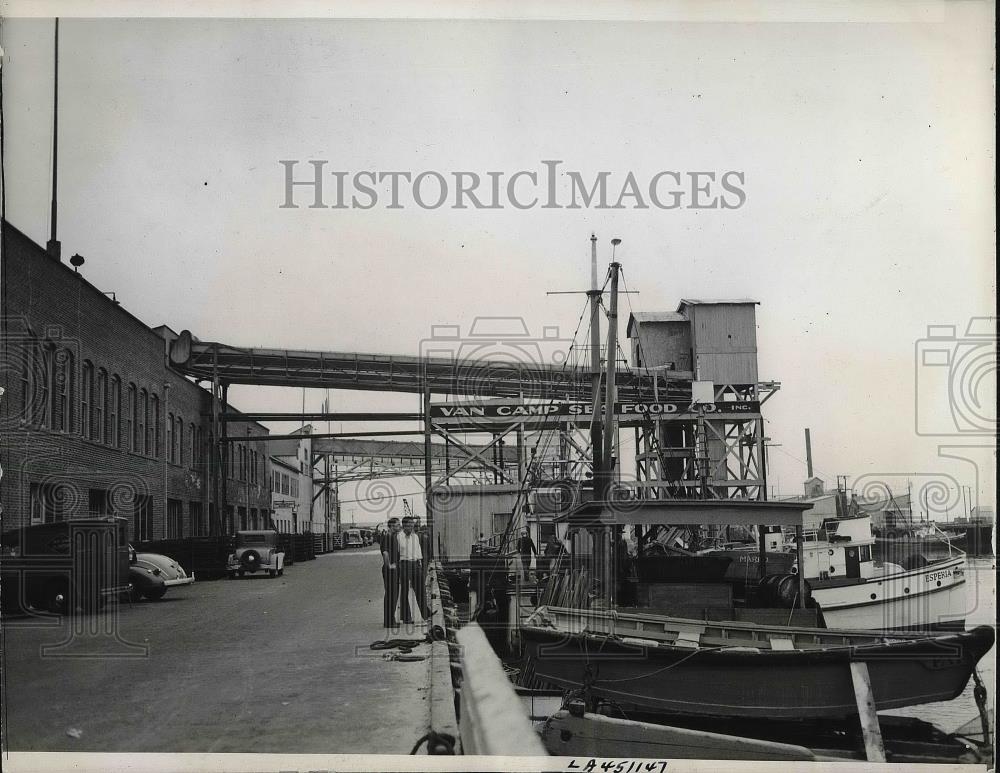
<point x="53" y="246"/>
<point x="809" y="455"/>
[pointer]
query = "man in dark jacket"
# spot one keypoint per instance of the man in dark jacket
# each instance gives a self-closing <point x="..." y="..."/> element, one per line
<point x="390" y="572"/>
<point x="525" y="547"/>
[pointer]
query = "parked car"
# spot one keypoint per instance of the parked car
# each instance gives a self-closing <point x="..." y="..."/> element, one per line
<point x="64" y="566"/>
<point x="353" y="538"/>
<point x="256" y="550"/>
<point x="151" y="574"/>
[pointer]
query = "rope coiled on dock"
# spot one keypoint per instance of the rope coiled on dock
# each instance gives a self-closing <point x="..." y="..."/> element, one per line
<point x="437" y="743"/>
<point x="390" y="644"/>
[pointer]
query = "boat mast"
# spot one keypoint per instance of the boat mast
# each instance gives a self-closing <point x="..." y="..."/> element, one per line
<point x="596" y="434"/>
<point x="609" y="395"/>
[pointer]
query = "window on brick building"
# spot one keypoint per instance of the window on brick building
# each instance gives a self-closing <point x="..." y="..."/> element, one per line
<point x="145" y="444"/>
<point x="193" y="440"/>
<point x="62" y="390"/>
<point x="130" y="409"/>
<point x="180" y="440"/>
<point x="154" y="425"/>
<point x="143" y="518"/>
<point x="197" y="519"/>
<point x="115" y="411"/>
<point x="101" y="407"/>
<point x="171" y="447"/>
<point x="294" y="487"/>
<point x="86" y="398"/>
<point x="27" y="373"/>
<point x="175" y="519"/>
<point x="97" y="503"/>
<point x="46" y="502"/>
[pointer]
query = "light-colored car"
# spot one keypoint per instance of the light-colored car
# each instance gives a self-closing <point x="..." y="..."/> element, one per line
<point x="151" y="574"/>
<point x="353" y="539"/>
<point x="256" y="550"/>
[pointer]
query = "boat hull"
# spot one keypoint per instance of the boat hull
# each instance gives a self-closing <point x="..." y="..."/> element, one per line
<point x="929" y="598"/>
<point x="750" y="682"/>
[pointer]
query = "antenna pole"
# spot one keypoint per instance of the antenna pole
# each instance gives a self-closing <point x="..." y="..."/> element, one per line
<point x="53" y="247"/>
<point x="809" y="455"/>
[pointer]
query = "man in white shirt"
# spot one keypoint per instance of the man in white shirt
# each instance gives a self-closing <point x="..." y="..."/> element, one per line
<point x="411" y="572"/>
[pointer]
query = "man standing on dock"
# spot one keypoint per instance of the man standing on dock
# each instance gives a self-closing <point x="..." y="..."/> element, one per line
<point x="411" y="572"/>
<point x="390" y="572"/>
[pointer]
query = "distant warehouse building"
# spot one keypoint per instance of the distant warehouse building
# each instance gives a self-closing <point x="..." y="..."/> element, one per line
<point x="294" y="502"/>
<point x="94" y="421"/>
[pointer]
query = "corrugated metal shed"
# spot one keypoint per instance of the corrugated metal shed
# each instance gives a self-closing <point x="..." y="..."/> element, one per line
<point x="642" y="317"/>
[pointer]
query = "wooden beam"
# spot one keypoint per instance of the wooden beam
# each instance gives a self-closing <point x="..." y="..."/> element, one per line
<point x="874" y="748"/>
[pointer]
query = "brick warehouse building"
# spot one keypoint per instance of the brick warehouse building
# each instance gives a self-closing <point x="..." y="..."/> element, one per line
<point x="94" y="421"/>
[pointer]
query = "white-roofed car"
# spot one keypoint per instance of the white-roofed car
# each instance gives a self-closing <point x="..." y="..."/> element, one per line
<point x="152" y="573"/>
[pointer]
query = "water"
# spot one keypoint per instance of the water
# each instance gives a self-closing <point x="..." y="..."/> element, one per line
<point x="981" y="592"/>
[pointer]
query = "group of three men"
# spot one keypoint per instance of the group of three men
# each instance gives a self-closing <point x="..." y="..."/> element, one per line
<point x="402" y="549"/>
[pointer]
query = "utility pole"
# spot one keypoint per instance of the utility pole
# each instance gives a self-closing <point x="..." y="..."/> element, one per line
<point x="53" y="246"/>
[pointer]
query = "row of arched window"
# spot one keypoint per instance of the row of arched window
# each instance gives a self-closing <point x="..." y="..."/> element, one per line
<point x="106" y="410"/>
<point x="246" y="464"/>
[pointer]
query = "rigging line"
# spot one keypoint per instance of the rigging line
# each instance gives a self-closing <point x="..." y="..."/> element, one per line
<point x="523" y="483"/>
<point x="803" y="462"/>
<point x="665" y="668"/>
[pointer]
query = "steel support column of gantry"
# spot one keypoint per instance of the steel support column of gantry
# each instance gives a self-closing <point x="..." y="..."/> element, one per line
<point x="705" y="458"/>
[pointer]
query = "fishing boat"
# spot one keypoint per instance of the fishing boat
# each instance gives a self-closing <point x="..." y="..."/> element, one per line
<point x="583" y="639"/>
<point x="846" y="578"/>
<point x="854" y="589"/>
<point x="730" y="669"/>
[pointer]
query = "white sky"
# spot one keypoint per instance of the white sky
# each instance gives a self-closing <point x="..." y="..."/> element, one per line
<point x="868" y="152"/>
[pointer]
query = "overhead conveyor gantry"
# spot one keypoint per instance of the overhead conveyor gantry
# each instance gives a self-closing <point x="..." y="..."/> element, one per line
<point x="209" y="360"/>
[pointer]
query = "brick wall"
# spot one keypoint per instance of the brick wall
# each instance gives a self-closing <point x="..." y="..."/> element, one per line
<point x="59" y="329"/>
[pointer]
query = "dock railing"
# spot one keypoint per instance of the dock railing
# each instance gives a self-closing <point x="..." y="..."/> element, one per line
<point x="492" y="719"/>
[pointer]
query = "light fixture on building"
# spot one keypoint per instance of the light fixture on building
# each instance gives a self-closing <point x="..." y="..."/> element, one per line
<point x="76" y="261"/>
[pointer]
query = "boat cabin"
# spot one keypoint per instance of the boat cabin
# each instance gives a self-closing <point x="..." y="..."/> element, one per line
<point x="840" y="548"/>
